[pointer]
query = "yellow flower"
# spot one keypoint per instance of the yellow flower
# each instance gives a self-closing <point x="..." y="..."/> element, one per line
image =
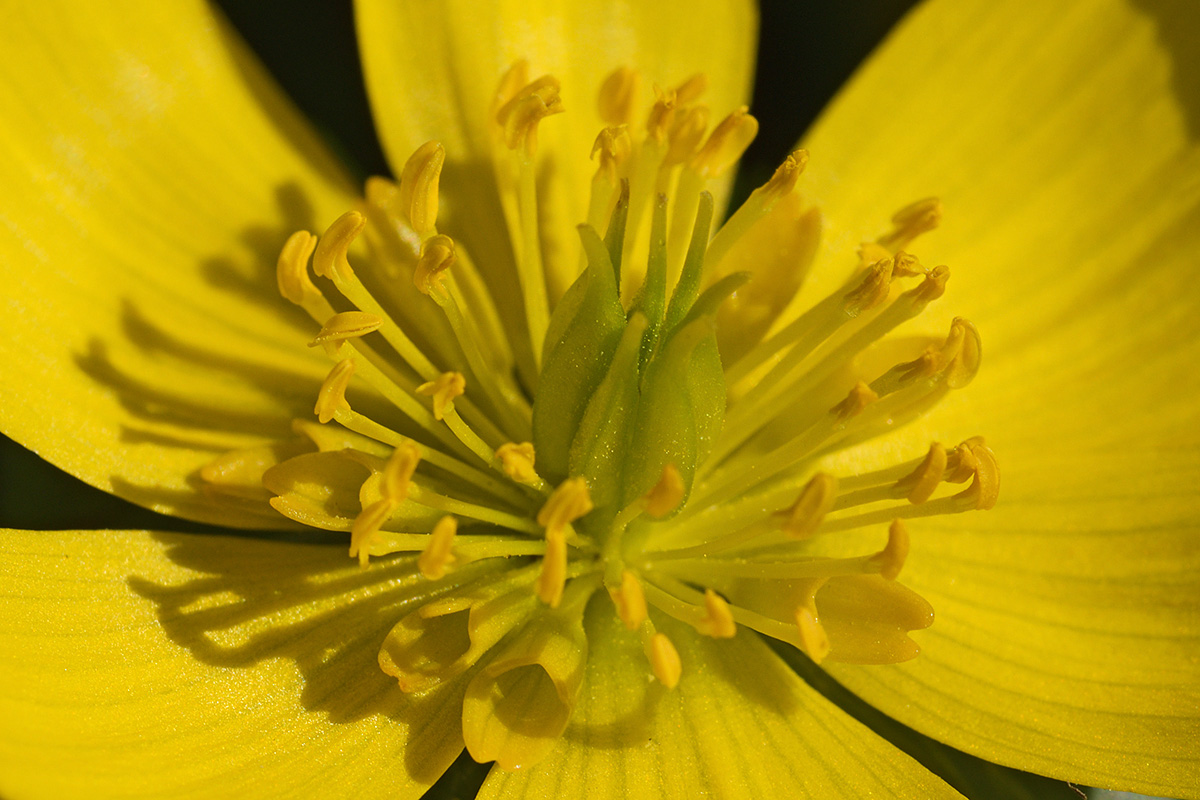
<point x="151" y="174"/>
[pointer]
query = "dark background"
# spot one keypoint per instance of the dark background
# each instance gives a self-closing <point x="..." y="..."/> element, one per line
<point x="808" y="49"/>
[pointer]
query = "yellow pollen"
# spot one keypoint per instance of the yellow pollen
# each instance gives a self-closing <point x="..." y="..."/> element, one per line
<point x="437" y="558"/>
<point x="614" y="147"/>
<point x="891" y="558"/>
<point x="858" y="398"/>
<point x="718" y="618"/>
<point x="519" y="117"/>
<point x="346" y="325"/>
<point x="517" y="460"/>
<point x="787" y="174"/>
<point x="437" y="256"/>
<point x="685" y="134"/>
<point x="726" y="143"/>
<point x="666" y="495"/>
<point x="329" y="259"/>
<point x="618" y="97"/>
<point x="332" y="396"/>
<point x="398" y="471"/>
<point x="291" y="270"/>
<point x="570" y="501"/>
<point x="816" y="499"/>
<point x="813" y="638"/>
<point x="630" y="601"/>
<point x="553" y="577"/>
<point x="664" y="660"/>
<point x="919" y="485"/>
<point x="419" y="187"/>
<point x="444" y="389"/>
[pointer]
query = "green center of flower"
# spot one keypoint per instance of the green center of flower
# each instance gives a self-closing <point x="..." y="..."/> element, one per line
<point x="649" y="435"/>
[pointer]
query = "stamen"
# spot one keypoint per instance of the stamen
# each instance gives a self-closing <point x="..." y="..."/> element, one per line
<point x="346" y="325"/>
<point x="618" y="97"/>
<point x="804" y="516"/>
<point x="664" y="660"/>
<point x="919" y="485"/>
<point x="517" y="461"/>
<point x="726" y="144"/>
<point x="332" y="396"/>
<point x="291" y="273"/>
<point x="418" y="197"/>
<point x="814" y="640"/>
<point x="630" y="601"/>
<point x="437" y="256"/>
<point x="718" y="620"/>
<point x="666" y="495"/>
<point x="443" y="390"/>
<point x="891" y="559"/>
<point x="437" y="557"/>
<point x="912" y="221"/>
<point x="519" y="117"/>
<point x="553" y="578"/>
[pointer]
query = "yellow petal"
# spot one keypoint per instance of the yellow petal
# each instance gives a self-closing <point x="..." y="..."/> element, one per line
<point x="1063" y="144"/>
<point x="168" y="665"/>
<point x="739" y="724"/>
<point x="151" y="171"/>
<point x="432" y="72"/>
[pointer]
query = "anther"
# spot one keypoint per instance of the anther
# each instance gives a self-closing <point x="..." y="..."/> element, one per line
<point x="570" y="501"/>
<point x="437" y="256"/>
<point x="614" y="147"/>
<point x="685" y="134"/>
<point x="967" y="353"/>
<point x="813" y="638"/>
<point x="346" y="325"/>
<point x="726" y="143"/>
<point x="517" y="461"/>
<point x="856" y="400"/>
<point x="664" y="660"/>
<point x="662" y="116"/>
<point x="553" y="578"/>
<point x="444" y="389"/>
<point x="985" y="484"/>
<point x="666" y="495"/>
<point x="419" y="187"/>
<point x="618" y="97"/>
<point x="718" y="618"/>
<point x="872" y="290"/>
<point x="366" y="525"/>
<point x="933" y="287"/>
<point x="912" y="221"/>
<point x="891" y="558"/>
<point x="519" y="117"/>
<point x="291" y="270"/>
<point x="691" y="89"/>
<point x="437" y="557"/>
<point x="398" y="472"/>
<point x="329" y="259"/>
<point x="786" y="175"/>
<point x="816" y="499"/>
<point x="630" y="601"/>
<point x="919" y="485"/>
<point x="331" y="398"/>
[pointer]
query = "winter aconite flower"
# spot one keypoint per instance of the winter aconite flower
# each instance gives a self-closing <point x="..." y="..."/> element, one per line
<point x="587" y="443"/>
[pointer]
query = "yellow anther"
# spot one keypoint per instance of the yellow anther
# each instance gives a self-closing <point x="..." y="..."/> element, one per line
<point x="906" y="265"/>
<point x="890" y="559"/>
<point x="666" y="495"/>
<point x="856" y="400"/>
<point x="514" y="79"/>
<point x="444" y="389"/>
<point x="618" y="97"/>
<point x="519" y="117"/>
<point x="517" y="461"/>
<point x="291" y="270"/>
<point x="718" y="618"/>
<point x="786" y="175"/>
<point x="919" y="485"/>
<point x="437" y="256"/>
<point x="614" y="147"/>
<point x="686" y="132"/>
<point x="437" y="557"/>
<point x="911" y="221"/>
<point x="813" y="638"/>
<point x="960" y="462"/>
<point x="664" y="660"/>
<point x="570" y="501"/>
<point x="329" y="259"/>
<point x="366" y="525"/>
<point x="726" y="143"/>
<point x="332" y="396"/>
<point x="933" y="287"/>
<point x="346" y="325"/>
<point x="418" y="198"/>
<point x="816" y="499"/>
<point x="691" y="89"/>
<point x="553" y="578"/>
<point x="662" y="116"/>
<point x="985" y="473"/>
<point x="963" y="353"/>
<point x="398" y="471"/>
<point x="630" y="601"/>
<point x="872" y="290"/>
<point x="381" y="192"/>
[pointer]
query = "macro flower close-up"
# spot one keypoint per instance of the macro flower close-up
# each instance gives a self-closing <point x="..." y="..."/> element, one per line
<point x="555" y="463"/>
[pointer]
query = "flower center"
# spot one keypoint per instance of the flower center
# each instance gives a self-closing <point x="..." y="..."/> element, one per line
<point x="653" y="423"/>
